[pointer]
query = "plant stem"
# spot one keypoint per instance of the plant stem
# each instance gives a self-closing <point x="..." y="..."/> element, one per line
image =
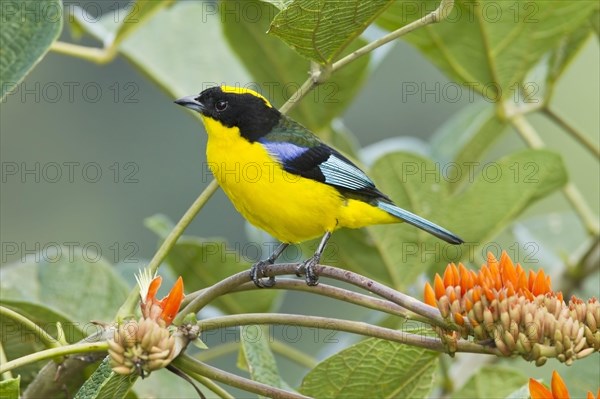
<point x="39" y="332"/>
<point x="579" y="136"/>
<point x="194" y="367"/>
<point x="6" y="375"/>
<point x="438" y="15"/>
<point x="217" y="351"/>
<point x="294" y="354"/>
<point x="582" y="263"/>
<point x="215" y="388"/>
<point x="306" y="87"/>
<point x="573" y="195"/>
<point x="92" y="54"/>
<point x="53" y="353"/>
<point x="430" y="314"/>
<point x="127" y="308"/>
<point x="355" y="327"/>
<point x="331" y="292"/>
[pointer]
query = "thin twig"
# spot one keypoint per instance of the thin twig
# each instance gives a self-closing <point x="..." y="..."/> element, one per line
<point x="195" y="367"/>
<point x="215" y="388"/>
<point x="54" y="353"/>
<point x="92" y="54"/>
<point x="355" y="327"/>
<point x="580" y="137"/>
<point x="39" y="332"/>
<point x="128" y="306"/>
<point x="3" y="359"/>
<point x="330" y="291"/>
<point x="438" y="15"/>
<point x="570" y="191"/>
<point x="431" y="315"/>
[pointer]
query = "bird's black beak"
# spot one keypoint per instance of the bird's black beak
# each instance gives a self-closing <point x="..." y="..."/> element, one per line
<point x="191" y="103"/>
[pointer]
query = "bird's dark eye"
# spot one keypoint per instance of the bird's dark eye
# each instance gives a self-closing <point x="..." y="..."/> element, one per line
<point x="221" y="105"/>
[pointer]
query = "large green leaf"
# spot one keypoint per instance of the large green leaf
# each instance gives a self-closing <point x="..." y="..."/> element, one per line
<point x="256" y="356"/>
<point x="74" y="284"/>
<point x="181" y="59"/>
<point x="321" y="29"/>
<point x="491" y="382"/>
<point x="279" y="71"/>
<point x="106" y="384"/>
<point x="373" y="368"/>
<point x="163" y="384"/>
<point x="465" y="138"/>
<point x="139" y="12"/>
<point x="403" y="12"/>
<point x="9" y="389"/>
<point x="203" y="262"/>
<point x="46" y="318"/>
<point x="27" y="30"/>
<point x="521" y="393"/>
<point x="491" y="46"/>
<point x="498" y="193"/>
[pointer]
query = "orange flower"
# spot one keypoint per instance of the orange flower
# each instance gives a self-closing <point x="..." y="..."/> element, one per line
<point x="163" y="310"/>
<point x="559" y="389"/>
<point x="517" y="309"/>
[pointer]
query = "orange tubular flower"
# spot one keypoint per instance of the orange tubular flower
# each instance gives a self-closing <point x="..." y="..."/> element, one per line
<point x="163" y="310"/>
<point x="517" y="309"/>
<point x="148" y="344"/>
<point x="559" y="389"/>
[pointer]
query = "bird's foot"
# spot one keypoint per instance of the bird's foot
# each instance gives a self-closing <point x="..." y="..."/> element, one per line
<point x="308" y="269"/>
<point x="257" y="274"/>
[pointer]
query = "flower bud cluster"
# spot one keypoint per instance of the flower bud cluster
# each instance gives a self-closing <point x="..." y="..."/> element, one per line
<point x="141" y="347"/>
<point x="519" y="312"/>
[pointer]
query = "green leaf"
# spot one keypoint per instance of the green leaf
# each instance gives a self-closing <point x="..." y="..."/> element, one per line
<point x="180" y="60"/>
<point x="280" y="4"/>
<point x="278" y="71"/>
<point x="498" y="193"/>
<point x="373" y="368"/>
<point x="321" y="29"/>
<point x="492" y="46"/>
<point x="491" y="382"/>
<point x="105" y="384"/>
<point x="403" y="12"/>
<point x="27" y="30"/>
<point x="258" y="358"/>
<point x="546" y="239"/>
<point x="46" y="318"/>
<point x="140" y="12"/>
<point x="77" y="287"/>
<point x="203" y="262"/>
<point x="521" y="393"/>
<point x="163" y="384"/>
<point x="466" y="137"/>
<point x="9" y="389"/>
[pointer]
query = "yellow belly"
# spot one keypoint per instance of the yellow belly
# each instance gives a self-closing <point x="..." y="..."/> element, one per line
<point x="288" y="207"/>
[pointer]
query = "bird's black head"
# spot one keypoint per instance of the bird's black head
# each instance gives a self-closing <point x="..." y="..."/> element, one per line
<point x="235" y="107"/>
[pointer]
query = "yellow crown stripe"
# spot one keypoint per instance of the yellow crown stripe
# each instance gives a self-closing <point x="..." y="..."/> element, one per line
<point x="243" y="90"/>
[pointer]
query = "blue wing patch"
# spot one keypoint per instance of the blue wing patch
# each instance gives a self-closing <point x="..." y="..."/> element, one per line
<point x="284" y="151"/>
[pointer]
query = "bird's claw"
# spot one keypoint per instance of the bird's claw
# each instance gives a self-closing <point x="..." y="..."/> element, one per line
<point x="308" y="269"/>
<point x="257" y="275"/>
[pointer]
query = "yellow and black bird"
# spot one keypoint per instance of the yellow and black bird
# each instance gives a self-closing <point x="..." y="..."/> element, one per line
<point x="299" y="187"/>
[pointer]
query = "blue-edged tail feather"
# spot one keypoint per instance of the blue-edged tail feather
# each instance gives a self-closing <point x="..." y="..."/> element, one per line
<point x="419" y="222"/>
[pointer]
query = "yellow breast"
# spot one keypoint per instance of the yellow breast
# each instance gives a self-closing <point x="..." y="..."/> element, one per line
<point x="288" y="207"/>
